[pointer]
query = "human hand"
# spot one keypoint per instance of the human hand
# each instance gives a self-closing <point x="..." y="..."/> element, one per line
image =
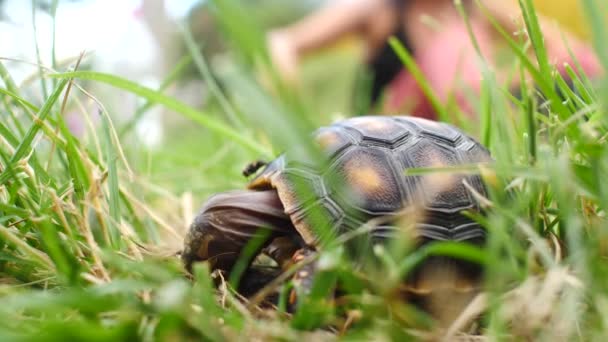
<point x="283" y="55"/>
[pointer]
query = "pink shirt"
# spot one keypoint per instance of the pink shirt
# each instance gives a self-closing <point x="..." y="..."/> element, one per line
<point x="450" y="64"/>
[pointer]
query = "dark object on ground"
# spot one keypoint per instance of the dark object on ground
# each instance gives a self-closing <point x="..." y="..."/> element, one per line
<point x="255" y="278"/>
<point x="301" y="206"/>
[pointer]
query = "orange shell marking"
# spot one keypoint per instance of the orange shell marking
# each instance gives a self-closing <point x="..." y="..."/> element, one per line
<point x="365" y="179"/>
<point x="327" y="139"/>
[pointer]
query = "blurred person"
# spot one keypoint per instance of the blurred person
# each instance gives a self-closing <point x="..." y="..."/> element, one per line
<point x="435" y="34"/>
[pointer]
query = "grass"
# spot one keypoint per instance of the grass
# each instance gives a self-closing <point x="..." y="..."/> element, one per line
<point x="89" y="225"/>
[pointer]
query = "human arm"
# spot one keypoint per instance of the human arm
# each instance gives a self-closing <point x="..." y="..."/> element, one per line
<point x="337" y="19"/>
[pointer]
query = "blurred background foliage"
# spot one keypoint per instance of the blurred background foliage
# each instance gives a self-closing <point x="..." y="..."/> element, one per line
<point x="115" y="286"/>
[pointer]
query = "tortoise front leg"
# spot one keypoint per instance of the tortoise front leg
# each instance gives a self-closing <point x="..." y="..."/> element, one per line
<point x="303" y="279"/>
<point x="230" y="220"/>
<point x="283" y="249"/>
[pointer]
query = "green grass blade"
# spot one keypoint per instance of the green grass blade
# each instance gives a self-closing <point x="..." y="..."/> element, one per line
<point x="32" y="253"/>
<point x="599" y="29"/>
<point x="6" y="133"/>
<point x="54" y="6"/>
<point x="541" y="80"/>
<point x="114" y="192"/>
<point x="173" y="76"/>
<point x="457" y="250"/>
<point x="43" y="85"/>
<point x="201" y="118"/>
<point x="596" y="16"/>
<point x="410" y="64"/>
<point x="247" y="254"/>
<point x="536" y="36"/>
<point x="24" y="103"/>
<point x="235" y="19"/>
<point x="203" y="68"/>
<point x="26" y="143"/>
<point x="75" y="164"/>
<point x="7" y="79"/>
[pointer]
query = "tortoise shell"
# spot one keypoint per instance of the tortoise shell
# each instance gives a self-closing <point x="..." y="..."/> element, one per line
<point x="366" y="177"/>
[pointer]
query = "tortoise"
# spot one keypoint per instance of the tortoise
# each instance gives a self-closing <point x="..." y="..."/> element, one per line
<point x="365" y="178"/>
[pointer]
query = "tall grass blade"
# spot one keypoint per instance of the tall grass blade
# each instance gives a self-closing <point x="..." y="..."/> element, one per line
<point x="25" y="145"/>
<point x="173" y="77"/>
<point x="203" y="119"/>
<point x="9" y="83"/>
<point x="43" y="85"/>
<point x="114" y="191"/>
<point x="411" y="66"/>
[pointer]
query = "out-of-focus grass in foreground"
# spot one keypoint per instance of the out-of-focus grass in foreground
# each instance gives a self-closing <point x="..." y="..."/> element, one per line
<point x="89" y="226"/>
